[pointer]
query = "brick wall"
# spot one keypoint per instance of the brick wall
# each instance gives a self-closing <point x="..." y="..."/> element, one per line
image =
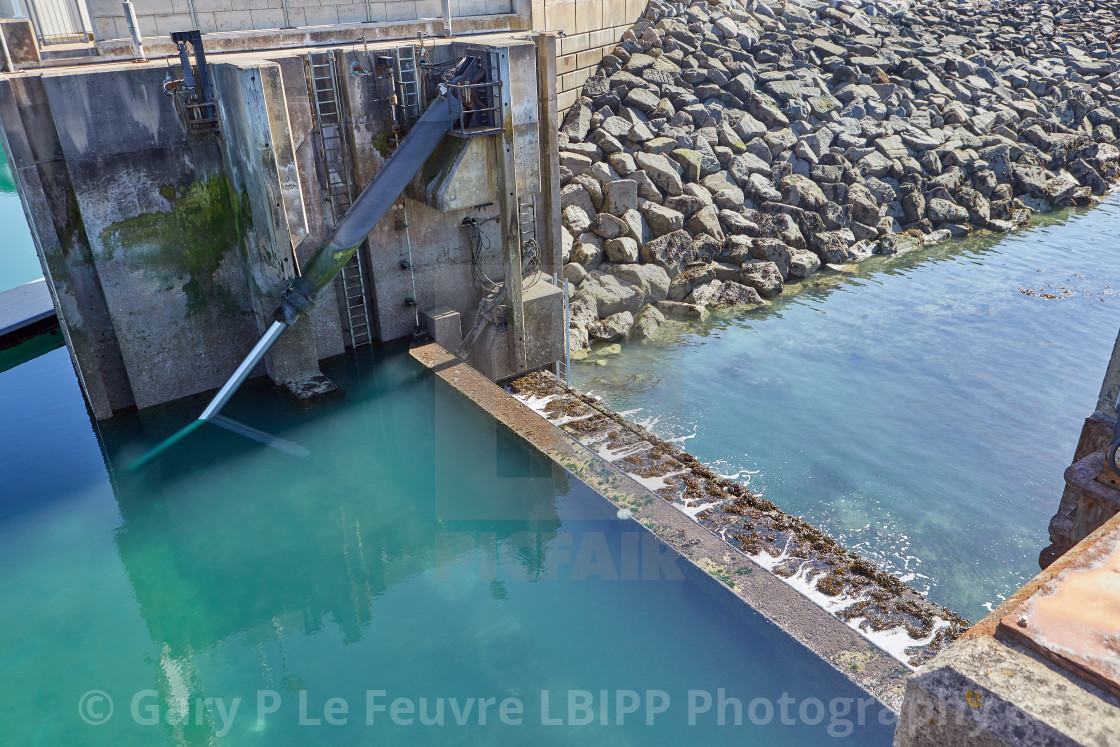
<point x="592" y="28"/>
<point x="161" y="17"/>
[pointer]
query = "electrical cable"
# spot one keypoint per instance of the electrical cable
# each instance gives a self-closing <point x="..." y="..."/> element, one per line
<point x="479" y="244"/>
<point x="533" y="264"/>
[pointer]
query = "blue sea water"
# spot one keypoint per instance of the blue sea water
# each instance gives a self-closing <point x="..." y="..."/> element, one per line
<point x="921" y="409"/>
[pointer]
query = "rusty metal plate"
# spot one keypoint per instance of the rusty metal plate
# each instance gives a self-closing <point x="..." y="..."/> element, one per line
<point x="1074" y="618"/>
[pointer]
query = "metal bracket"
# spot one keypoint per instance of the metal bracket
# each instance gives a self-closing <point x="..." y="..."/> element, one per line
<point x="199" y="108"/>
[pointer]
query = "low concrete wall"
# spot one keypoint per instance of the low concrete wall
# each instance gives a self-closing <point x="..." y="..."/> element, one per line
<point x="161" y="17"/>
<point x="869" y="667"/>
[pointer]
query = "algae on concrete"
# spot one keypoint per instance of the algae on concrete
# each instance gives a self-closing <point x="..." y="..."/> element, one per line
<point x="205" y="222"/>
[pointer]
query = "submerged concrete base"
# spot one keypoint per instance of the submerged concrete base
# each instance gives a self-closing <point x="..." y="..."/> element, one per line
<point x="993" y="687"/>
<point x="310" y="387"/>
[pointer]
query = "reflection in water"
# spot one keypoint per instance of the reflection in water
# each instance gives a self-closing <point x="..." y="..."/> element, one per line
<point x="921" y="409"/>
<point x="420" y="549"/>
<point x="222" y="541"/>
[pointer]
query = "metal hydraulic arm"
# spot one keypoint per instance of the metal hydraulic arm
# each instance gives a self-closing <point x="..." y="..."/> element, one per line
<point x="327" y="262"/>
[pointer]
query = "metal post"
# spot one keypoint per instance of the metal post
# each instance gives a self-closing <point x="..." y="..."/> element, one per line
<point x="411" y="271"/>
<point x="567" y="337"/>
<point x="194" y="14"/>
<point x="287" y="15"/>
<point x="511" y="228"/>
<point x="556" y="282"/>
<point x="33" y="14"/>
<point x="8" y="65"/>
<point x="447" y="18"/>
<point x="251" y="360"/>
<point x="134" y="31"/>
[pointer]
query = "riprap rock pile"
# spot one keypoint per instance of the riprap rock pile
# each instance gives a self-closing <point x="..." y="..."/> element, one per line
<point x="725" y="148"/>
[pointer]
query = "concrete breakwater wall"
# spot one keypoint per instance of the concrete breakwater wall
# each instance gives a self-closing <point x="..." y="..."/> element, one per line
<point x="879" y="606"/>
<point x="722" y="150"/>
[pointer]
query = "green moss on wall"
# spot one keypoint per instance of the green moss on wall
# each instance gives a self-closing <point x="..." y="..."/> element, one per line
<point x="381" y="143"/>
<point x="206" y="220"/>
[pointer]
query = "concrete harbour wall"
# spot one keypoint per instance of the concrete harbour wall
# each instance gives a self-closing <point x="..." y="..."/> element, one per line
<point x="167" y="245"/>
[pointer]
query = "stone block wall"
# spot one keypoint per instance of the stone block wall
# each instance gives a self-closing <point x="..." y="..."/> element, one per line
<point x="161" y="17"/>
<point x="591" y="28"/>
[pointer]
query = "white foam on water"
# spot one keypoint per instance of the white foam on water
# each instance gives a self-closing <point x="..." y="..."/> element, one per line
<point x="612" y="455"/>
<point x="565" y="419"/>
<point x="894" y="640"/>
<point x="647" y="423"/>
<point x="656" y="482"/>
<point x="537" y="404"/>
<point x="694" y="511"/>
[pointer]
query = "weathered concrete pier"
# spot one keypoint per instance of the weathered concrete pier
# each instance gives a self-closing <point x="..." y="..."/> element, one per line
<point x="172" y="200"/>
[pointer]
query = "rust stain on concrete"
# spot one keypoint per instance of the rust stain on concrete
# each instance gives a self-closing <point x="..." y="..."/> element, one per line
<point x="1074" y="618"/>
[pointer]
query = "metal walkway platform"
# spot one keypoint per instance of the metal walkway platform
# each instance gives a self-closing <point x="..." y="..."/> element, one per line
<point x="26" y="311"/>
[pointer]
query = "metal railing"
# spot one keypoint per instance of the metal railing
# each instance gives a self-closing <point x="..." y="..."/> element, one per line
<point x="58" y="21"/>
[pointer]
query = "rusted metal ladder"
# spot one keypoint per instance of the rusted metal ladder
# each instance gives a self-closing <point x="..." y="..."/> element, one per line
<point x="332" y="147"/>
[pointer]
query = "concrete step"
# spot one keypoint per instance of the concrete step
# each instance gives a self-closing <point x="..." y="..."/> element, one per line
<point x="67" y="54"/>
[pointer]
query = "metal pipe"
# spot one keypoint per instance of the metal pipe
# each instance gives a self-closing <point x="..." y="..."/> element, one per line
<point x="194" y="14"/>
<point x="567" y="333"/>
<point x="411" y="272"/>
<point x="243" y="371"/>
<point x="134" y="30"/>
<point x="447" y="18"/>
<point x="11" y="68"/>
<point x="556" y="283"/>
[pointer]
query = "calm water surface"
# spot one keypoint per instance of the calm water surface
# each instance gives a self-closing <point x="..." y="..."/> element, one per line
<point x="18" y="262"/>
<point x="922" y="410"/>
<point x="420" y="550"/>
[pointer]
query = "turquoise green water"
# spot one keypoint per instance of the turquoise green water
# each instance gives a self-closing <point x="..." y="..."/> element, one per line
<point x="922" y="410"/>
<point x="18" y="262"/>
<point x="420" y="550"/>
